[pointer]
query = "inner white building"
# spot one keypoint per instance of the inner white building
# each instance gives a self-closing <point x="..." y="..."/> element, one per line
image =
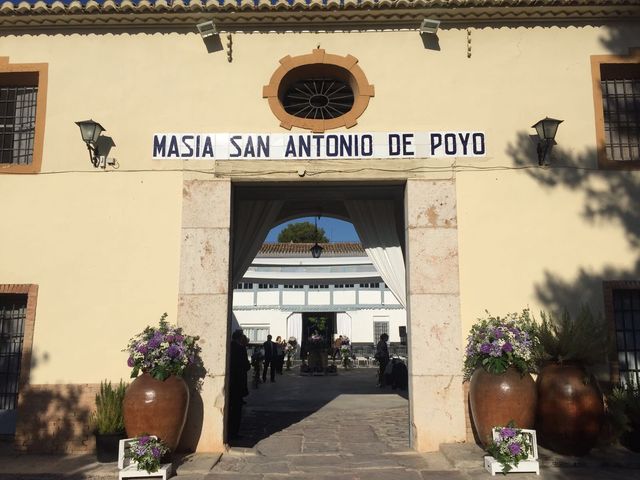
<point x="286" y="292"/>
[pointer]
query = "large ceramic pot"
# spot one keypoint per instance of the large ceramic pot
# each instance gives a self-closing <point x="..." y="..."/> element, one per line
<point x="570" y="409"/>
<point x="497" y="399"/>
<point x="156" y="407"/>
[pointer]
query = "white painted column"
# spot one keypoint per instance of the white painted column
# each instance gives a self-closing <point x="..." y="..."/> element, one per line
<point x="433" y="315"/>
<point x="203" y="302"/>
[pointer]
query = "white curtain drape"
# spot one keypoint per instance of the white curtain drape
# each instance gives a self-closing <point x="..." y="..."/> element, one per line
<point x="343" y="324"/>
<point x="375" y="222"/>
<point x="294" y="326"/>
<point x="252" y="221"/>
<point x="235" y="325"/>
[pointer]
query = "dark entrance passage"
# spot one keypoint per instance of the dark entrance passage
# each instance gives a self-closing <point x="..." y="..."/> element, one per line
<point x="292" y="293"/>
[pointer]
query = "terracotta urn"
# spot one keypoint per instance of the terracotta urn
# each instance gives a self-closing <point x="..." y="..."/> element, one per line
<point x="570" y="409"/>
<point x="156" y="407"/>
<point x="497" y="399"/>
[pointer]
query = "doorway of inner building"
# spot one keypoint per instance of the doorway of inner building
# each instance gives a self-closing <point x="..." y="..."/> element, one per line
<point x="322" y="324"/>
<point x="324" y="399"/>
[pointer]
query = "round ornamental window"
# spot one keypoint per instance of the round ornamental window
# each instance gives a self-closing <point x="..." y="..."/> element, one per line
<point x="318" y="91"/>
<point x="318" y="98"/>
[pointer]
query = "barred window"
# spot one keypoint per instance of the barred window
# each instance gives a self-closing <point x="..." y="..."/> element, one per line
<point x="621" y="107"/>
<point x="380" y="327"/>
<point x="616" y="100"/>
<point x="17" y="123"/>
<point x="12" y="318"/>
<point x="256" y="334"/>
<point x="626" y="311"/>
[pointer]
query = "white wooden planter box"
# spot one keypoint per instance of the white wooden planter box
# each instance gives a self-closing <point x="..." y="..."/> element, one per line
<point x="129" y="468"/>
<point x="529" y="465"/>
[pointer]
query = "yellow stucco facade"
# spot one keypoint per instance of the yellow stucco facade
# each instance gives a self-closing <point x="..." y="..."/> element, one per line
<point x="107" y="247"/>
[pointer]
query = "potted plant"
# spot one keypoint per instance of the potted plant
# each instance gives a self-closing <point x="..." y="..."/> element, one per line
<point x="510" y="446"/>
<point x="156" y="402"/>
<point x="290" y="350"/>
<point x="146" y="452"/>
<point x="570" y="410"/>
<point x="345" y="354"/>
<point x="500" y="355"/>
<point x="108" y="422"/>
<point x="623" y="406"/>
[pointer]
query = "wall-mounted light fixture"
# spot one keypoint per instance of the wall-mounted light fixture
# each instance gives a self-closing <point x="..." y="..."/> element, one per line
<point x="429" y="26"/>
<point x="207" y="29"/>
<point x="546" y="130"/>
<point x="316" y="250"/>
<point x="90" y="132"/>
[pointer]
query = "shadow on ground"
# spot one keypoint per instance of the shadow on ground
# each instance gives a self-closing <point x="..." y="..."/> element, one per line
<point x="273" y="407"/>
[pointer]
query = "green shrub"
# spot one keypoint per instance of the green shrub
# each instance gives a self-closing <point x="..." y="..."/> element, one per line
<point x="623" y="410"/>
<point x="582" y="340"/>
<point x="108" y="417"/>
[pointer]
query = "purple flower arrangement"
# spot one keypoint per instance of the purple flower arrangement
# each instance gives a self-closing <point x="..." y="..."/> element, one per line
<point x="162" y="351"/>
<point x="147" y="451"/>
<point x="497" y="343"/>
<point x="510" y="446"/>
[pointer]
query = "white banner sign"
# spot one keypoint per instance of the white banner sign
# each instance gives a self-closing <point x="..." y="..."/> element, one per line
<point x="311" y="146"/>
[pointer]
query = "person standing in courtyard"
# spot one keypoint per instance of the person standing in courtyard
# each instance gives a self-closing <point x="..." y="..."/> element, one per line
<point x="270" y="359"/>
<point x="382" y="356"/>
<point x="279" y="354"/>
<point x="337" y="346"/>
<point x="238" y="367"/>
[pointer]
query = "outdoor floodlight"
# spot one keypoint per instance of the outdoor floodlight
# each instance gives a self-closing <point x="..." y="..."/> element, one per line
<point x="429" y="26"/>
<point x="90" y="132"/>
<point x="546" y="130"/>
<point x="207" y="29"/>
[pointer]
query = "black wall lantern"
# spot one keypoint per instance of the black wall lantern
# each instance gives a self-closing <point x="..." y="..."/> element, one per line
<point x="546" y="130"/>
<point x="90" y="132"/>
<point x="316" y="250"/>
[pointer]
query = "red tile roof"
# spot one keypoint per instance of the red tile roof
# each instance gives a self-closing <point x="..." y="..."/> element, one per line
<point x="338" y="249"/>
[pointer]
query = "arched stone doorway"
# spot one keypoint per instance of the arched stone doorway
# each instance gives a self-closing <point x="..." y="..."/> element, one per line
<point x="426" y="223"/>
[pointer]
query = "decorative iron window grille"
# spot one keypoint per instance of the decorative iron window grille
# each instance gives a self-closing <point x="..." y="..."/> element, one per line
<point x="626" y="310"/>
<point x="621" y="105"/>
<point x="13" y="312"/>
<point x="17" y="124"/>
<point x="318" y="99"/>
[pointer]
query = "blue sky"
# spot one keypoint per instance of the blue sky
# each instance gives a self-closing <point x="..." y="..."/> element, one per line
<point x="336" y="230"/>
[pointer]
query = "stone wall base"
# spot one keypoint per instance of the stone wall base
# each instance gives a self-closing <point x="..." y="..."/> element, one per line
<point x="55" y="418"/>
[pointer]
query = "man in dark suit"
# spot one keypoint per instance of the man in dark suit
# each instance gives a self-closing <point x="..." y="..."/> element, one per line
<point x="270" y="359"/>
